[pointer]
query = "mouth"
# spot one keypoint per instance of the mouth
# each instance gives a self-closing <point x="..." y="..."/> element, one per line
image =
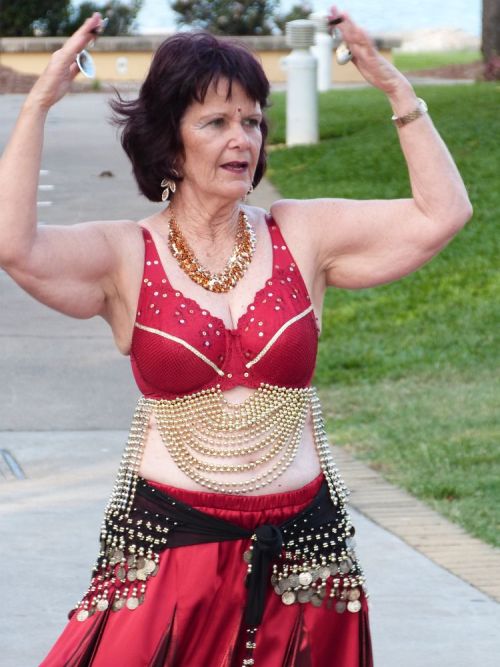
<point x="235" y="167"/>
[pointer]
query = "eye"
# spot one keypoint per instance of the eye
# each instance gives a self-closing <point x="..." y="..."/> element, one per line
<point x="252" y="122"/>
<point x="217" y="122"/>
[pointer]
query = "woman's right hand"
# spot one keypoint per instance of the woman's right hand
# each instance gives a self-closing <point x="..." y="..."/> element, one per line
<point x="57" y="77"/>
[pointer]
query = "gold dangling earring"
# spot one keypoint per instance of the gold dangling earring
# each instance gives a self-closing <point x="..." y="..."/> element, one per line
<point x="250" y="190"/>
<point x="170" y="188"/>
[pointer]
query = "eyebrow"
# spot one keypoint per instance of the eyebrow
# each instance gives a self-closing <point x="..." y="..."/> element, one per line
<point x="256" y="113"/>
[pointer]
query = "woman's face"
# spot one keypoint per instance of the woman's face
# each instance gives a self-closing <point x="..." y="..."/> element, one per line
<point x="222" y="141"/>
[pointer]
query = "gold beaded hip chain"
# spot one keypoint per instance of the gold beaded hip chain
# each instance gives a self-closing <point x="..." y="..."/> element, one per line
<point x="203" y="432"/>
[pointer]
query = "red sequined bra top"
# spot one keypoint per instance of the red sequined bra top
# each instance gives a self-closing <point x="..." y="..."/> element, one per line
<point x="179" y="348"/>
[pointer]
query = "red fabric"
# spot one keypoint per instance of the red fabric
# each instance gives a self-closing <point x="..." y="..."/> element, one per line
<point x="164" y="368"/>
<point x="192" y="613"/>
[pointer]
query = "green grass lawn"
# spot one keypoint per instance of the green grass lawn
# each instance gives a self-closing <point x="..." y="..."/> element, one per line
<point x="408" y="62"/>
<point x="409" y="371"/>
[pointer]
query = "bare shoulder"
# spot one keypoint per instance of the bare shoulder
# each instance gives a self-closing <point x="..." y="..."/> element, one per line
<point x="302" y="221"/>
<point x="307" y="213"/>
<point x="296" y="220"/>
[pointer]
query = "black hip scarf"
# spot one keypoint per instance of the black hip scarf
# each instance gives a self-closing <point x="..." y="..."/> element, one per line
<point x="188" y="526"/>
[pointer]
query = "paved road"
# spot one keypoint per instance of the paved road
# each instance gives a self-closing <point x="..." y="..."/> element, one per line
<point x="65" y="402"/>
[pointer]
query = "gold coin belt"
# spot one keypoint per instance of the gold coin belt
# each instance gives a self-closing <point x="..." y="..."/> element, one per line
<point x="236" y="265"/>
<point x="317" y="565"/>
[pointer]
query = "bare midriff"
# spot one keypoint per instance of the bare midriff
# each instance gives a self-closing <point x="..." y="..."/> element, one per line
<point x="158" y="465"/>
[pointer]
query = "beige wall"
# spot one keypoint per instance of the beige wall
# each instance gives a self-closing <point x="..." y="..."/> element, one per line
<point x="108" y="65"/>
<point x="127" y="59"/>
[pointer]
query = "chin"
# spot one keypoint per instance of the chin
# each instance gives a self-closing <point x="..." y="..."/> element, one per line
<point x="234" y="190"/>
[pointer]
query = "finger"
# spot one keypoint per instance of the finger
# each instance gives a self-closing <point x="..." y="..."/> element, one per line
<point x="352" y="33"/>
<point x="73" y="70"/>
<point x="334" y="16"/>
<point x="83" y="35"/>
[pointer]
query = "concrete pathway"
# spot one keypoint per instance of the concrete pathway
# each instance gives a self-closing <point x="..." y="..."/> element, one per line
<point x="65" y="403"/>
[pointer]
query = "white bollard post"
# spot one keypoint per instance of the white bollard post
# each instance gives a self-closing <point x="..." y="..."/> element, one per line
<point x="322" y="50"/>
<point x="301" y="96"/>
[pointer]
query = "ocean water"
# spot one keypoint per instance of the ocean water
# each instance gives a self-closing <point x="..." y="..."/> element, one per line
<point x="375" y="15"/>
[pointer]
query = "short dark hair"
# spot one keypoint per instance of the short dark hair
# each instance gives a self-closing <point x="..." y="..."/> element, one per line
<point x="182" y="70"/>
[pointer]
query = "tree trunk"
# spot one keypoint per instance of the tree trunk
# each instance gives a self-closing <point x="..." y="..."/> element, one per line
<point x="491" y="29"/>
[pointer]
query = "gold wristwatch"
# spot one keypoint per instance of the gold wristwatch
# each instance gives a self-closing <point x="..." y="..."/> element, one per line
<point x="421" y="108"/>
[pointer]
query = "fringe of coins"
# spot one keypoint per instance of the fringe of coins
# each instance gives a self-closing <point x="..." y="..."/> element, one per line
<point x="317" y="566"/>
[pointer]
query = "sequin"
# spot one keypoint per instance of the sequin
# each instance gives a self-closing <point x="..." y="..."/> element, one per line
<point x="182" y="321"/>
<point x="148" y="263"/>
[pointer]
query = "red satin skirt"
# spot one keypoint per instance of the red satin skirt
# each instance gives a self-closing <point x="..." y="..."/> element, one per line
<point x="193" y="608"/>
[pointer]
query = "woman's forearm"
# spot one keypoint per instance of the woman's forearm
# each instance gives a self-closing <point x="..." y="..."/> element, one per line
<point x="437" y="187"/>
<point x="20" y="163"/>
<point x="19" y="174"/>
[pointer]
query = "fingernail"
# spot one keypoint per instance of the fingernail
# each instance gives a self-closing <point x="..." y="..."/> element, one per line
<point x="336" y="21"/>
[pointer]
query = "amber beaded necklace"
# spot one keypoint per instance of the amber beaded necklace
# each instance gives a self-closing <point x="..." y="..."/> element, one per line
<point x="236" y="265"/>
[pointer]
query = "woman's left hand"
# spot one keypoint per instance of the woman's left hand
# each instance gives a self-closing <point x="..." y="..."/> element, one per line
<point x="378" y="71"/>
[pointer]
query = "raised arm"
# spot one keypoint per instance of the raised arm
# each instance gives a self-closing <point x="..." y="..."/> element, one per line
<point x="362" y="243"/>
<point x="67" y="268"/>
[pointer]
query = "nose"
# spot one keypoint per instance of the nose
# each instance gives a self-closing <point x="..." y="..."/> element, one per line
<point x="239" y="136"/>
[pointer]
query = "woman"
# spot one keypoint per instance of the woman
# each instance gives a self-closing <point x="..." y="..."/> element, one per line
<point x="226" y="541"/>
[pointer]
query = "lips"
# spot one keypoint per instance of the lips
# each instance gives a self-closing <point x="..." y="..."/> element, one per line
<point x="235" y="166"/>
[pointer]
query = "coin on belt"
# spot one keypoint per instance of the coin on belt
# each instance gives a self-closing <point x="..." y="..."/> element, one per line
<point x="82" y="615"/>
<point x="304" y="595"/>
<point x="340" y="606"/>
<point x="354" y="606"/>
<point x="288" y="597"/>
<point x="316" y="601"/>
<point x="118" y="604"/>
<point x="102" y="605"/>
<point x="305" y="578"/>
<point x="354" y="594"/>
<point x="149" y="565"/>
<point x="132" y="603"/>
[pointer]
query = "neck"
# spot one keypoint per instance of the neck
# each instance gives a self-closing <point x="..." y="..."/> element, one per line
<point x="205" y="221"/>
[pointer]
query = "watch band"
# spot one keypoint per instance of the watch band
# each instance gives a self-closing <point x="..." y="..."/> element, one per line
<point x="420" y="110"/>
